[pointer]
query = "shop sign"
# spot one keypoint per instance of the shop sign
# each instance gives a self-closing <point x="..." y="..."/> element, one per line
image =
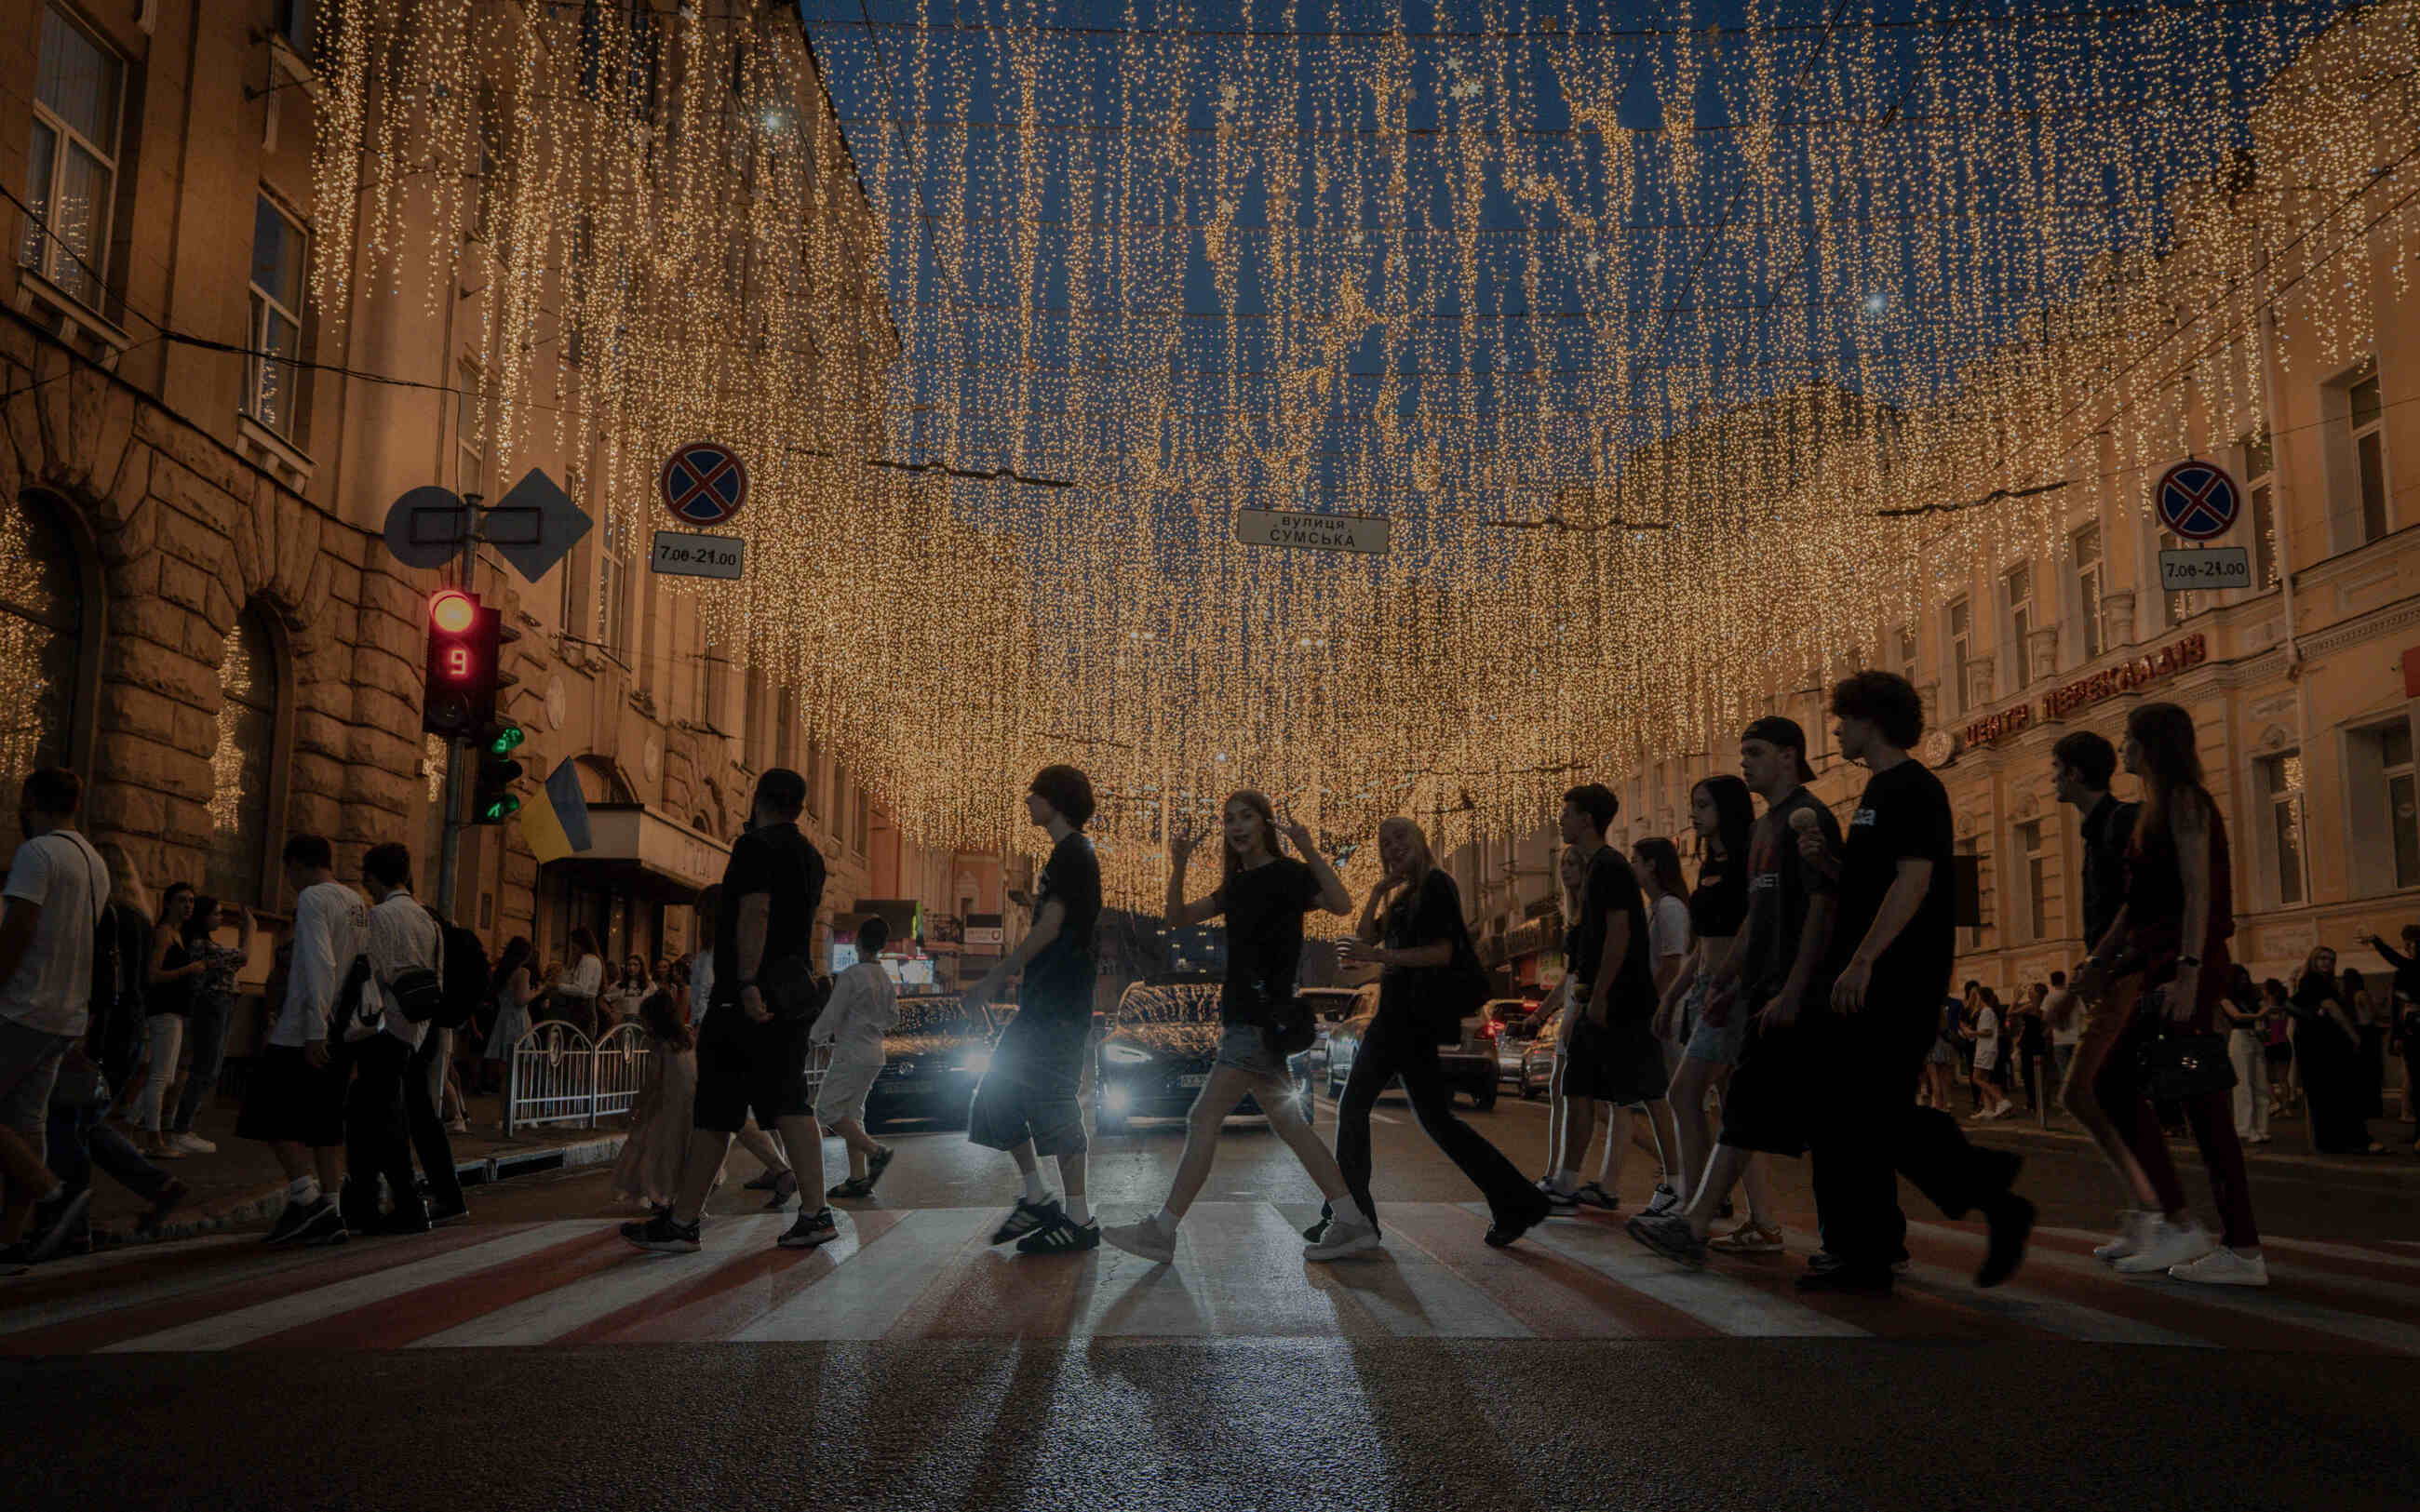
<point x="2086" y="691"/>
<point x="1999" y="726"/>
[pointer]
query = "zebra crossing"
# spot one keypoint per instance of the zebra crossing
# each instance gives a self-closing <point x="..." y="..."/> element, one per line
<point x="1239" y="1274"/>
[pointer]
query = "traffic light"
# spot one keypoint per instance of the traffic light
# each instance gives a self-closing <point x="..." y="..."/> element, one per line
<point x="492" y="801"/>
<point x="459" y="695"/>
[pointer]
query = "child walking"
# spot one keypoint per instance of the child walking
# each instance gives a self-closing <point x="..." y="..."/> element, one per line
<point x="649" y="1167"/>
<point x="865" y="1006"/>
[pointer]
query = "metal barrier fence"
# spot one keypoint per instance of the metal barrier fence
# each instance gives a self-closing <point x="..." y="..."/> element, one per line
<point x="557" y="1076"/>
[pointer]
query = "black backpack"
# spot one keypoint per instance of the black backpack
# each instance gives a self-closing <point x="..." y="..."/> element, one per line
<point x="465" y="970"/>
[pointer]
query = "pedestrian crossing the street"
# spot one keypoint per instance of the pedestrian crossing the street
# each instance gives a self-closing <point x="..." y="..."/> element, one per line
<point x="931" y="1272"/>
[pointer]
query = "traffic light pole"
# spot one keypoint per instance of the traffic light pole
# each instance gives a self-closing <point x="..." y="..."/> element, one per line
<point x="449" y="855"/>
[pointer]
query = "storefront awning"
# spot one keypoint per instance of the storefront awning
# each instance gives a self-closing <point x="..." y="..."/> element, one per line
<point x="639" y="850"/>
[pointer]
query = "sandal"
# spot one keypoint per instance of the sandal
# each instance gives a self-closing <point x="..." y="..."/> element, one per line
<point x="783" y="1190"/>
<point x="856" y="1186"/>
<point x="876" y="1164"/>
<point x="1591" y="1194"/>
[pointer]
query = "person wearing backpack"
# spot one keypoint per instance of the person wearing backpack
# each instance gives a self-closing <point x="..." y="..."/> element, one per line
<point x="51" y="930"/>
<point x="463" y="977"/>
<point x="381" y="1034"/>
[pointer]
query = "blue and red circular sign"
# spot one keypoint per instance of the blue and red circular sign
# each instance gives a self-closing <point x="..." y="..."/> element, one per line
<point x="2198" y="501"/>
<point x="704" y="484"/>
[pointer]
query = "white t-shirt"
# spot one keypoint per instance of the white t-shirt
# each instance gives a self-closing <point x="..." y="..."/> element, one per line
<point x="402" y="936"/>
<point x="1987" y="1038"/>
<point x="864" y="1006"/>
<point x="1668" y="931"/>
<point x="331" y="926"/>
<point x="583" y="981"/>
<point x="65" y="877"/>
<point x="2073" y="1034"/>
<point x="700" y="984"/>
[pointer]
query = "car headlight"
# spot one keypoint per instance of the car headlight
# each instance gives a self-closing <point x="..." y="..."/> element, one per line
<point x="1123" y="1055"/>
<point x="1116" y="1099"/>
<point x="977" y="1061"/>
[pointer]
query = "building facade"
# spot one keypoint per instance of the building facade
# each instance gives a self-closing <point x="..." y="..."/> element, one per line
<point x="197" y="613"/>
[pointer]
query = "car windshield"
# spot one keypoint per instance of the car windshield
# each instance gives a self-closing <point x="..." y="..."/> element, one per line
<point x="1176" y="1003"/>
<point x="943" y="1017"/>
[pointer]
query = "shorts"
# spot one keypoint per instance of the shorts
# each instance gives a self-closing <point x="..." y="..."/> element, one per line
<point x="843" y="1090"/>
<point x="1986" y="1057"/>
<point x="1029" y="1090"/>
<point x="1765" y="1108"/>
<point x="746" y="1068"/>
<point x="1622" y="1063"/>
<point x="1245" y="1047"/>
<point x="1715" y="1043"/>
<point x="29" y="1064"/>
<point x="292" y="1102"/>
<point x="1942" y="1054"/>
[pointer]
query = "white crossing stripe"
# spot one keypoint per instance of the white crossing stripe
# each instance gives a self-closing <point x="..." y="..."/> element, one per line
<point x="553" y="1314"/>
<point x="1709" y="1296"/>
<point x="863" y="1302"/>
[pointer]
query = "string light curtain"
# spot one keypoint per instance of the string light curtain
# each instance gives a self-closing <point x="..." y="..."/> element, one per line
<point x="1652" y="329"/>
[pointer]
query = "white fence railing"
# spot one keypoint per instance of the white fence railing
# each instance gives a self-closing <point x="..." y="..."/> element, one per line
<point x="557" y="1076"/>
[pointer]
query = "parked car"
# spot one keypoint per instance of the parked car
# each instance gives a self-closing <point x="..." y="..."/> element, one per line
<point x="1469" y="1064"/>
<point x="1329" y="1007"/>
<point x="1508" y="1015"/>
<point x="932" y="1060"/>
<point x="1157" y="1054"/>
<point x="1538" y="1058"/>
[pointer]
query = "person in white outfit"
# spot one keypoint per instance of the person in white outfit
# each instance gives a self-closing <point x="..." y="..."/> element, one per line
<point x="2240" y="1011"/>
<point x="865" y="1006"/>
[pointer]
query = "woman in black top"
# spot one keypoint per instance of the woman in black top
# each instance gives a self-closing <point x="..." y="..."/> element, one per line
<point x="1409" y="929"/>
<point x="1263" y="895"/>
<point x="169" y="995"/>
<point x="2369" y="1029"/>
<point x="1722" y="813"/>
<point x="2327" y="1043"/>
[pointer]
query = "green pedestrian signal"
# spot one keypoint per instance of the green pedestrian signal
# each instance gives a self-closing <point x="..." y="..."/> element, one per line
<point x="492" y="801"/>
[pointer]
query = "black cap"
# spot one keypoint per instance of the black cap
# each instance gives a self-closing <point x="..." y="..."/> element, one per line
<point x="1775" y="730"/>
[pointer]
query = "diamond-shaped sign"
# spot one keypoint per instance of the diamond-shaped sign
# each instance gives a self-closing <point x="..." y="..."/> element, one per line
<point x="536" y="526"/>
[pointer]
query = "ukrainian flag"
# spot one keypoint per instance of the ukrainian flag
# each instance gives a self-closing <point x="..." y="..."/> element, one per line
<point x="558" y="825"/>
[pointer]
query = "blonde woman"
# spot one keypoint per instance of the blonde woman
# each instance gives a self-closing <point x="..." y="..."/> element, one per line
<point x="1408" y="929"/>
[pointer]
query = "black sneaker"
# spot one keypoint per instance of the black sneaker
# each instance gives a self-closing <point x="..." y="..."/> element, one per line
<point x="1319" y="1230"/>
<point x="785" y="1187"/>
<point x="1849" y="1280"/>
<point x="876" y="1164"/>
<point x="1561" y="1203"/>
<point x="1061" y="1236"/>
<point x="2011" y="1220"/>
<point x="813" y="1228"/>
<point x="1506" y="1231"/>
<point x="765" y="1180"/>
<point x="1669" y="1236"/>
<point x="55" y="1222"/>
<point x="661" y="1235"/>
<point x="323" y="1223"/>
<point x="1594" y="1195"/>
<point x="289" y="1222"/>
<point x="1025" y="1218"/>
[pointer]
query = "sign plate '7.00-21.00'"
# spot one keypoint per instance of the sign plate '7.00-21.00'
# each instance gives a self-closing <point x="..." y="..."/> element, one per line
<point x="697" y="556"/>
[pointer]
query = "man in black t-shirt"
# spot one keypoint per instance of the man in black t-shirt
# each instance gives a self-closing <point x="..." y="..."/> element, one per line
<point x="1026" y="1102"/>
<point x="1892" y="952"/>
<point x="749" y="1056"/>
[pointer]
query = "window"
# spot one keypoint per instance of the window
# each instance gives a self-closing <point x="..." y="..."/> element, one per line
<point x="2383" y="821"/>
<point x="591" y="49"/>
<point x="2036" y="869"/>
<point x="2369" y="455"/>
<point x="2017" y="585"/>
<point x="2083" y="549"/>
<point x="2395" y="758"/>
<point x="2281" y="785"/>
<point x="1961" y="646"/>
<point x="1907" y="652"/>
<point x="645" y="52"/>
<point x="298" y="21"/>
<point x="2259" y="461"/>
<point x="71" y="167"/>
<point x="1971" y="857"/>
<point x="239" y="767"/>
<point x="274" y="383"/>
<point x="41" y="638"/>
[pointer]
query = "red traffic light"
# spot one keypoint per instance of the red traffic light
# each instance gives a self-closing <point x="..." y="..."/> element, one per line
<point x="452" y="611"/>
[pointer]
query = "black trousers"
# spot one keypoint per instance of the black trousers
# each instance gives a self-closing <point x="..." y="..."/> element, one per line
<point x="375" y="1145"/>
<point x="1395" y="1048"/>
<point x="1864" y="1125"/>
<point x="429" y="1141"/>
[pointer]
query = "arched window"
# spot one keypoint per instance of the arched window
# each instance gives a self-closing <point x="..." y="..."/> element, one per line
<point x="43" y="621"/>
<point x="241" y="766"/>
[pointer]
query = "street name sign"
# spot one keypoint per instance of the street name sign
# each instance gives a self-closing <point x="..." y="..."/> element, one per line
<point x="685" y="555"/>
<point x="1369" y="533"/>
<point x="2198" y="501"/>
<point x="704" y="483"/>
<point x="2196" y="569"/>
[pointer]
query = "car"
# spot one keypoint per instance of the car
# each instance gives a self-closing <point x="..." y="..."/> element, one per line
<point x="932" y="1060"/>
<point x="1508" y="1015"/>
<point x="1329" y="1007"/>
<point x="1468" y="1064"/>
<point x="1538" y="1058"/>
<point x="1156" y="1052"/>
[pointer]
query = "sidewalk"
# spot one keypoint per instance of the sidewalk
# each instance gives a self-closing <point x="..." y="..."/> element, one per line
<point x="237" y="1185"/>
<point x="2288" y="1149"/>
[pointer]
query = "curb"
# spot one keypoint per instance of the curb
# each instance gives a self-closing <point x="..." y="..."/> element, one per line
<point x="265" y="1205"/>
<point x="2387" y="1168"/>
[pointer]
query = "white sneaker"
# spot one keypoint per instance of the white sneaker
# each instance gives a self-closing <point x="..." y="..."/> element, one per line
<point x="2224" y="1266"/>
<point x="1346" y="1235"/>
<point x="2130" y="1223"/>
<point x="192" y="1143"/>
<point x="1148" y="1239"/>
<point x="2166" y="1244"/>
